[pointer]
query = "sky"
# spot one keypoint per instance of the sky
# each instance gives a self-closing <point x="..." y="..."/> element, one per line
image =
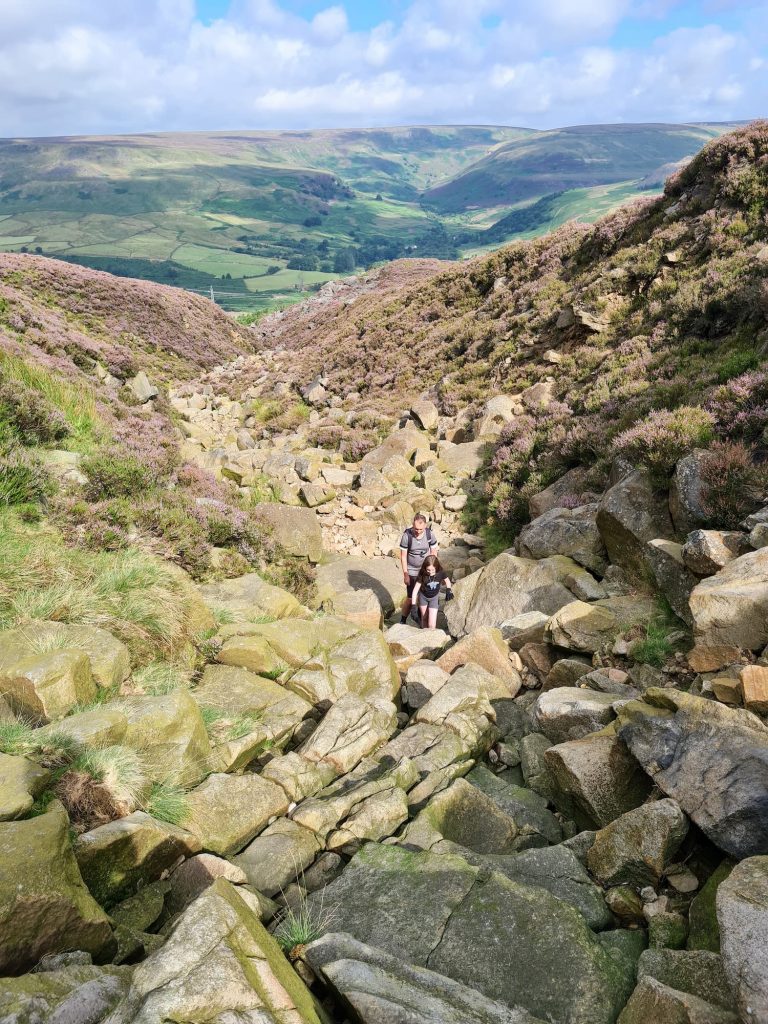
<point x="70" y="67"/>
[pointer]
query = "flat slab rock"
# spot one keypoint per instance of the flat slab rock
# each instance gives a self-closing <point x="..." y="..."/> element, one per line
<point x="382" y="989"/>
<point x="515" y="943"/>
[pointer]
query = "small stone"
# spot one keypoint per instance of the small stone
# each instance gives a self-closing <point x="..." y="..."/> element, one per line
<point x="754" y="682"/>
<point x="727" y="689"/>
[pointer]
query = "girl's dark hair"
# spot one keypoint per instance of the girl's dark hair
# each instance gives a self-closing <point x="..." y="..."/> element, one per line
<point x="429" y="560"/>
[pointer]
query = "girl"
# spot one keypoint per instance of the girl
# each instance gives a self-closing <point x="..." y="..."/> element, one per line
<point x="427" y="590"/>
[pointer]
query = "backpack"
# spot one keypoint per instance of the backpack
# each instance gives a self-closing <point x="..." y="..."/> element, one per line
<point x="431" y="539"/>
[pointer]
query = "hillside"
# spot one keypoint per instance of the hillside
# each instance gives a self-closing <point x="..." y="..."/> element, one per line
<point x="567" y="158"/>
<point x="259" y="217"/>
<point x="235" y="783"/>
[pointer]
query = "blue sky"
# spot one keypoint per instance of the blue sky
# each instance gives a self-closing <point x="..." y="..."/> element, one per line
<point x="86" y="66"/>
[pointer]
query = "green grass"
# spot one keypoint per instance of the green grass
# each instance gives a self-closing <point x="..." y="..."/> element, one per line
<point x="126" y="592"/>
<point x="118" y="769"/>
<point x="661" y="640"/>
<point x="160" y="678"/>
<point x="167" y="802"/>
<point x="52" y="748"/>
<point x="303" y="923"/>
<point x="77" y="404"/>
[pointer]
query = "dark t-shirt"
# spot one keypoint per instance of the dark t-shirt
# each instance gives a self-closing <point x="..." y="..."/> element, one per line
<point x="417" y="547"/>
<point x="431" y="586"/>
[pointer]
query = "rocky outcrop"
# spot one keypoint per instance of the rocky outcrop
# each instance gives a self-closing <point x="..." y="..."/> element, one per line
<point x="629" y="515"/>
<point x="742" y="913"/>
<point x="296" y="530"/>
<point x="730" y="609"/>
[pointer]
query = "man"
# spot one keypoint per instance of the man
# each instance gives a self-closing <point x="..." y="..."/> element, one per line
<point x="417" y="542"/>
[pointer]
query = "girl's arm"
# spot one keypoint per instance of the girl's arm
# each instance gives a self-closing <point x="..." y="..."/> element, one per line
<point x="448" y="589"/>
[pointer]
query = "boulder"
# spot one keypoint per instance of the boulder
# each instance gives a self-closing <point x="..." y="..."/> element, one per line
<point x="409" y="644"/>
<point x="143" y="390"/>
<point x="754" y="687"/>
<point x="564" y="671"/>
<point x="75" y="993"/>
<point x="383" y="989"/>
<point x="361" y="608"/>
<point x="631" y="514"/>
<point x="526" y="628"/>
<point x="110" y="662"/>
<point x="565" y="531"/>
<point x="422" y="681"/>
<point x="250" y="598"/>
<point x="349" y="574"/>
<point x="100" y="727"/>
<point x="505" y="587"/>
<point x="696" y="972"/>
<point x="297" y="777"/>
<point x="704" y="931"/>
<point x="579" y="626"/>
<point x="706" y="552"/>
<point x="686" y="493"/>
<point x="636" y="847"/>
<point x="219" y="964"/>
<point x="360" y="664"/>
<point x="45" y="687"/>
<point x="278" y="856"/>
<point x="570" y="485"/>
<point x="194" y="875"/>
<point x="711" y="759"/>
<point x="514" y="943"/>
<point x="44" y="905"/>
<point x="742" y="913"/>
<point x="20" y="782"/>
<point x="594" y="780"/>
<point x="352" y="729"/>
<point x="570" y="713"/>
<point x="464" y="706"/>
<point x="227" y="811"/>
<point x="425" y="413"/>
<point x="463" y="460"/>
<point x="654" y="1001"/>
<point x="527" y="809"/>
<point x="295" y="529"/>
<point x="256" y="713"/>
<point x="673" y="579"/>
<point x="487" y="648"/>
<point x="118" y="858"/>
<point x="170" y="734"/>
<point x="731" y="607"/>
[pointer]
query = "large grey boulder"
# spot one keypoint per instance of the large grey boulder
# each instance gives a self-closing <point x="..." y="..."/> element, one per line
<point x="109" y="659"/>
<point x="742" y="912"/>
<point x="250" y="598"/>
<point x="383" y="989"/>
<point x="570" y="485"/>
<point x="686" y="493"/>
<point x="635" y="848"/>
<point x="581" y="626"/>
<point x="565" y="531"/>
<point x="697" y="972"/>
<point x="278" y="856"/>
<point x="170" y="734"/>
<point x="570" y="713"/>
<point x="630" y="515"/>
<point x="515" y="943"/>
<point x="506" y="587"/>
<point x="464" y="706"/>
<point x="673" y="579"/>
<point x="296" y="530"/>
<point x="120" y="857"/>
<point x="218" y="964"/>
<point x="227" y="811"/>
<point x="348" y="574"/>
<point x="76" y="993"/>
<point x="595" y="779"/>
<point x="44" y="904"/>
<point x="711" y="759"/>
<point x="654" y="1001"/>
<point x="352" y="729"/>
<point x="527" y="808"/>
<point x="21" y="781"/>
<point x="706" y="552"/>
<point x="487" y="648"/>
<point x="731" y="607"/>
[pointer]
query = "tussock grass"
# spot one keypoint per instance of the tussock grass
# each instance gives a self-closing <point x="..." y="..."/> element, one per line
<point x="662" y="638"/>
<point x="224" y="725"/>
<point x="52" y="748"/>
<point x="167" y="802"/>
<point x="126" y="592"/>
<point x="102" y="784"/>
<point x="304" y="922"/>
<point x="160" y="678"/>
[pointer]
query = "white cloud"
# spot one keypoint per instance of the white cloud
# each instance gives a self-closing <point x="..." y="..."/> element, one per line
<point x="78" y="66"/>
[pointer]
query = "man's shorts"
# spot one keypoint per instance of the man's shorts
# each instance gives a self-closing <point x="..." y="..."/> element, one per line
<point x="428" y="602"/>
<point x="410" y="585"/>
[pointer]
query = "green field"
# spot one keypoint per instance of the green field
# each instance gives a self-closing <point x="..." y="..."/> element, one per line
<point x="264" y="216"/>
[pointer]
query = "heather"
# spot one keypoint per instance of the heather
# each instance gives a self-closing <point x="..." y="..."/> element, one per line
<point x="657" y="317"/>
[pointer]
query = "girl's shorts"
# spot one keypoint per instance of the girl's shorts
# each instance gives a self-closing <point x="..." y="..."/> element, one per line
<point x="428" y="602"/>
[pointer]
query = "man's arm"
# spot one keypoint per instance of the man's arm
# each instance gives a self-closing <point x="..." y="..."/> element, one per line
<point x="433" y="545"/>
<point x="404" y="557"/>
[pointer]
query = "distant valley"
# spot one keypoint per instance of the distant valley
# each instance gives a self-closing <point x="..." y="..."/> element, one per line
<point x="257" y="218"/>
